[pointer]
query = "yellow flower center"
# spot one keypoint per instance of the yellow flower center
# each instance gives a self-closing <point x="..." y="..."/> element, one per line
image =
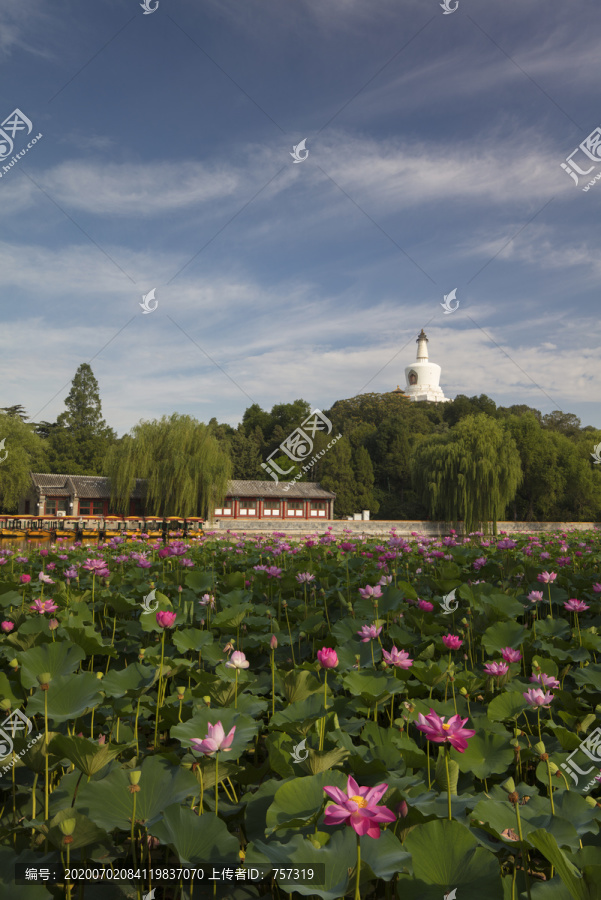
<point x="446" y="725"/>
<point x="360" y="801"/>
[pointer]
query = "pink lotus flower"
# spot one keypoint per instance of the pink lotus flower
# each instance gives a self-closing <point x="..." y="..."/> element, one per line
<point x="451" y="641"/>
<point x="369" y="633"/>
<point x="43" y="606"/>
<point x="207" y="600"/>
<point x="425" y="605"/>
<point x="537" y="698"/>
<point x="25" y="579"/>
<point x="369" y="591"/>
<point x="45" y="578"/>
<point x="511" y="655"/>
<point x="358" y="808"/>
<point x="496" y="668"/>
<point x="215" y="740"/>
<point x="237" y="660"/>
<point x="441" y="732"/>
<point x="597" y="588"/>
<point x="304" y="577"/>
<point x="165" y="618"/>
<point x="398" y="658"/>
<point x="7" y="626"/>
<point x="535" y="596"/>
<point x="53" y="624"/>
<point x="547" y="681"/>
<point x="546" y="577"/>
<point x="576" y="606"/>
<point x="328" y="658"/>
<point x="273" y="643"/>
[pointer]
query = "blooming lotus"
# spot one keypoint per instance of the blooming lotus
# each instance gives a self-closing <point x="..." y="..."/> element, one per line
<point x="237" y="660"/>
<point x="548" y="681"/>
<point x="441" y="732"/>
<point x="165" y="618"/>
<point x="43" y="606"/>
<point x="537" y="698"/>
<point x="328" y="658"/>
<point x="369" y="633"/>
<point x="398" y="658"/>
<point x="215" y="740"/>
<point x="535" y="596"/>
<point x="576" y="606"/>
<point x="451" y="641"/>
<point x="496" y="668"/>
<point x="511" y="655"/>
<point x="25" y="579"/>
<point x="46" y="579"/>
<point x="425" y="605"/>
<point x="370" y="591"/>
<point x="546" y="577"/>
<point x="7" y="626"/>
<point x="358" y="808"/>
<point x="304" y="577"/>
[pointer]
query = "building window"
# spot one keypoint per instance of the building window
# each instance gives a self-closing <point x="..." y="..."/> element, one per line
<point x="271" y="508"/>
<point x="54" y="505"/>
<point x="296" y="507"/>
<point x="318" y="509"/>
<point x="225" y="510"/>
<point x="248" y="507"/>
<point x="91" y="507"/>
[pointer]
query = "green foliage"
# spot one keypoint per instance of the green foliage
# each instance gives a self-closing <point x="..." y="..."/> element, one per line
<point x="185" y="467"/>
<point x="26" y="453"/>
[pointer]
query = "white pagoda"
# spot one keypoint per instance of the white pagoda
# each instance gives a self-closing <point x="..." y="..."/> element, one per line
<point x="423" y="377"/>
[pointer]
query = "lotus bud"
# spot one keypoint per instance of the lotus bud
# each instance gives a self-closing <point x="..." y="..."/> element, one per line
<point x="464" y="622"/>
<point x="273" y="642"/>
<point x="99" y="674"/>
<point x="509" y="785"/>
<point x="44" y="680"/>
<point x="134" y="776"/>
<point x="67" y="826"/>
<point x="463" y="692"/>
<point x="14" y="664"/>
<point x="181" y="690"/>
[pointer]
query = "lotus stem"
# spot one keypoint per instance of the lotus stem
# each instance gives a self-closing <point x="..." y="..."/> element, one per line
<point x="446" y="762"/>
<point x="358" y="876"/>
<point x="550" y="788"/>
<point x="524" y="851"/>
<point x="217" y="783"/>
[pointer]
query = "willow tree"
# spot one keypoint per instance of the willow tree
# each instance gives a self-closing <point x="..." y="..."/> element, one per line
<point x="185" y="467"/>
<point x="470" y="474"/>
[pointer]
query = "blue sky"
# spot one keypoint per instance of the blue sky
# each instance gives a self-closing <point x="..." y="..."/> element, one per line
<point x="435" y="147"/>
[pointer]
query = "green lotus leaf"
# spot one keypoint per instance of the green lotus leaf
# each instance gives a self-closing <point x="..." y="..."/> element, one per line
<point x="338" y="856"/>
<point x="130" y="681"/>
<point x="447" y="854"/>
<point x="231" y="616"/>
<point x="298" y="685"/>
<point x="201" y="582"/>
<point x="197" y="727"/>
<point x="191" y="639"/>
<point x="87" y="756"/>
<point x="69" y="696"/>
<point x="86" y="832"/>
<point x="506" y="706"/>
<point x="503" y="634"/>
<point x="299" y="802"/>
<point x="486" y="755"/>
<point x="58" y="658"/>
<point x="589" y="677"/>
<point x="109" y="803"/>
<point x="195" y="839"/>
<point x="87" y="638"/>
<point x="385" y="856"/>
<point x="546" y="844"/>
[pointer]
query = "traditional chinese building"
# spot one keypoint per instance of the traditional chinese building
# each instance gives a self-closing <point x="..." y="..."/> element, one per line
<point x="423" y="377"/>
<point x="89" y="495"/>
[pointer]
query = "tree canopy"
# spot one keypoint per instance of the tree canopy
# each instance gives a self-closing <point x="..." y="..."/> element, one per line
<point x="185" y="467"/>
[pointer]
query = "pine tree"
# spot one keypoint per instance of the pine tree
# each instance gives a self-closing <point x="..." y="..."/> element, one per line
<point x="81" y="438"/>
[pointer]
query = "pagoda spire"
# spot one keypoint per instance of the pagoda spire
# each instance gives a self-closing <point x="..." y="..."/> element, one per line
<point x="422" y="347"/>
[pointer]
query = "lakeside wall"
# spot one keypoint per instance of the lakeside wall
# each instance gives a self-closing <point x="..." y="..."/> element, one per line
<point x="373" y="528"/>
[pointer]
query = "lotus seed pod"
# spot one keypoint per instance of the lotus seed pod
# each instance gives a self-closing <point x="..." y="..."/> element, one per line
<point x="44" y="678"/>
<point x="67" y="826"/>
<point x="134" y="776"/>
<point x="591" y="801"/>
<point x="99" y="674"/>
<point x="509" y="785"/>
<point x="14" y="664"/>
<point x="539" y="747"/>
<point x="181" y="691"/>
<point x="5" y="705"/>
<point x="463" y="692"/>
<point x="553" y="768"/>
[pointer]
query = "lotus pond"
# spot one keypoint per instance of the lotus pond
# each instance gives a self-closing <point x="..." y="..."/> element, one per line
<point x="404" y="717"/>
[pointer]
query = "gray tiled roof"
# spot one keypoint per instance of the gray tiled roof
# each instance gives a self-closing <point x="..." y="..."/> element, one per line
<point x="309" y="490"/>
<point x="89" y="487"/>
<point x="92" y="487"/>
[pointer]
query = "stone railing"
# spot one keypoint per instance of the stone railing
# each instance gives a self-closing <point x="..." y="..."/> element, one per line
<point x="374" y="527"/>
